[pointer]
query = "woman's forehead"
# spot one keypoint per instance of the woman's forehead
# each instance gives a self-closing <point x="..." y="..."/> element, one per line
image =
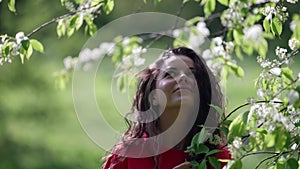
<point x="178" y="61"/>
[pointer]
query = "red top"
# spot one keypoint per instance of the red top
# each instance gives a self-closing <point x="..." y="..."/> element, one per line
<point x="166" y="160"/>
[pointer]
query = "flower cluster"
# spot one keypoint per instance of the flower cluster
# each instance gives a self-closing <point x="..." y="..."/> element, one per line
<point x="235" y="148"/>
<point x="292" y="1"/>
<point x="281" y="52"/>
<point x="88" y="56"/>
<point x="196" y="35"/>
<point x="10" y="47"/>
<point x="254" y="32"/>
<point x="278" y="11"/>
<point x="134" y="59"/>
<point x="294" y="43"/>
<point x="233" y="16"/>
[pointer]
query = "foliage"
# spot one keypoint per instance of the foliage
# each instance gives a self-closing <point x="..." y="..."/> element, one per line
<point x="271" y="123"/>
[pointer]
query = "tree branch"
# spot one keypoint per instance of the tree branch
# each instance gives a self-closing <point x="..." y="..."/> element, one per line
<point x="68" y="15"/>
<point x="246" y="104"/>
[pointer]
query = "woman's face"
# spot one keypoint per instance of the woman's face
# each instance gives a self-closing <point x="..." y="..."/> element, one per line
<point x="176" y="80"/>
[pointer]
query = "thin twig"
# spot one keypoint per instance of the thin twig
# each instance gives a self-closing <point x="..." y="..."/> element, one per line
<point x="268" y="158"/>
<point x="50" y="22"/>
<point x="172" y="29"/>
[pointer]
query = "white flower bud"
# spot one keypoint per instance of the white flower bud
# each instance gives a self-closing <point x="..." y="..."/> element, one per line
<point x="20" y="36"/>
<point x="275" y="71"/>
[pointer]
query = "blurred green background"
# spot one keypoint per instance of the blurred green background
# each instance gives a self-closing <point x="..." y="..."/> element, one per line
<point x="39" y="128"/>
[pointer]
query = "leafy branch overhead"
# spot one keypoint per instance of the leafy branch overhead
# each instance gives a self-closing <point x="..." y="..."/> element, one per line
<point x="268" y="123"/>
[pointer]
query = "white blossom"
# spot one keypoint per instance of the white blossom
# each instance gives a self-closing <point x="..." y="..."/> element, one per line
<point x="196" y="39"/>
<point x="68" y="62"/>
<point x="217" y="41"/>
<point x="281" y="52"/>
<point x="20" y="36"/>
<point x="206" y="54"/>
<point x="202" y="29"/>
<point x="294" y="43"/>
<point x="254" y="32"/>
<point x="176" y="33"/>
<point x="293" y="25"/>
<point x="237" y="142"/>
<point x="126" y="41"/>
<point x="275" y="71"/>
<point x="292" y="1"/>
<point x="294" y="146"/>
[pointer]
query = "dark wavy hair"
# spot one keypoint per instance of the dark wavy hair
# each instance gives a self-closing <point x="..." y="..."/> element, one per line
<point x="209" y="93"/>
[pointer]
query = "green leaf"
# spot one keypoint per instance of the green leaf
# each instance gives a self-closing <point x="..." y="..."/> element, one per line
<point x="185" y="1"/>
<point x="238" y="125"/>
<point x="238" y="53"/>
<point x="238" y="36"/>
<point x="109" y="6"/>
<point x="70" y="31"/>
<point x="63" y="2"/>
<point x="37" y="45"/>
<point x="292" y="163"/>
<point x="214" y="162"/>
<point x="213" y="152"/>
<point x="237" y="164"/>
<point x="218" y="109"/>
<point x="72" y="21"/>
<point x="263" y="48"/>
<point x="201" y="149"/>
<point x="29" y="52"/>
<point x="296" y="33"/>
<point x="281" y="140"/>
<point x="11" y="5"/>
<point x="79" y="22"/>
<point x="121" y="83"/>
<point x="248" y="49"/>
<point x="92" y="29"/>
<point x="209" y="7"/>
<point x="288" y="73"/>
<point x="276" y="26"/>
<point x="240" y="72"/>
<point x="202" y="165"/>
<point x="25" y="44"/>
<point x="266" y="25"/>
<point x="61" y="28"/>
<point x="22" y="56"/>
<point x="270" y="140"/>
<point x="224" y="2"/>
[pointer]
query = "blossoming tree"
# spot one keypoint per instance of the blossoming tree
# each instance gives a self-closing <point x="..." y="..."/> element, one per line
<point x="271" y="123"/>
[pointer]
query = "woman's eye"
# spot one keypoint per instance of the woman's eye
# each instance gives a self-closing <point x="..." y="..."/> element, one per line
<point x="170" y="74"/>
<point x="191" y="73"/>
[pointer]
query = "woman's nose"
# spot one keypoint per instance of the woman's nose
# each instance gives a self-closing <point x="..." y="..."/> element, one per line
<point x="183" y="78"/>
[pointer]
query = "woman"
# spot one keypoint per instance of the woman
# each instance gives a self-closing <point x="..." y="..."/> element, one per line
<point x="171" y="105"/>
